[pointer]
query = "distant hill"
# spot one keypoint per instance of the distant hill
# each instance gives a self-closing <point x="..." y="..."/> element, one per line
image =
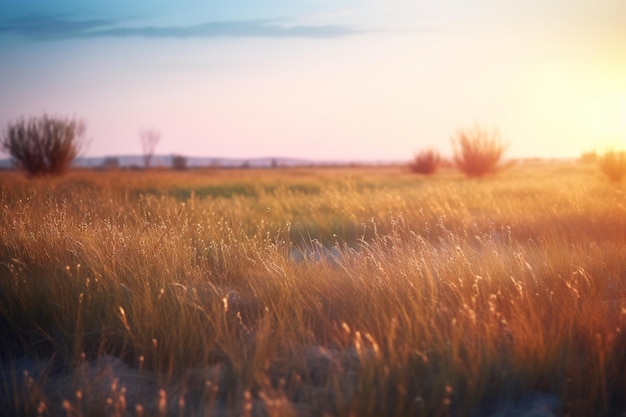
<point x="193" y="162"/>
<point x="166" y="161"/>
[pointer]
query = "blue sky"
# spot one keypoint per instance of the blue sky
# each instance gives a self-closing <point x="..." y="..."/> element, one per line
<point x="329" y="80"/>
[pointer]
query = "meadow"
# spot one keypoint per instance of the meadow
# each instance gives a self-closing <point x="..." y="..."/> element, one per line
<point x="311" y="292"/>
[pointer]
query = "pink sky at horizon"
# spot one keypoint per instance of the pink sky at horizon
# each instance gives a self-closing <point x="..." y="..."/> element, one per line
<point x="398" y="79"/>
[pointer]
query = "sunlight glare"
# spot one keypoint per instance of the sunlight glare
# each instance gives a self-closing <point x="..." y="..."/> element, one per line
<point x="604" y="119"/>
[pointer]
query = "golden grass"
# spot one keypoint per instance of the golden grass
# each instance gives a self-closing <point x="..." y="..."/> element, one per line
<point x="304" y="292"/>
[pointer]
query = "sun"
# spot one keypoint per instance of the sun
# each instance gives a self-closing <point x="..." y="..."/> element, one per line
<point x="621" y="122"/>
<point x="604" y="120"/>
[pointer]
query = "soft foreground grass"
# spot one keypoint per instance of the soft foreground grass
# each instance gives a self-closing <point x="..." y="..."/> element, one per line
<point x="312" y="292"/>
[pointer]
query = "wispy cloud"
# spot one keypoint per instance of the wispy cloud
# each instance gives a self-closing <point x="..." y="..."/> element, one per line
<point x="42" y="27"/>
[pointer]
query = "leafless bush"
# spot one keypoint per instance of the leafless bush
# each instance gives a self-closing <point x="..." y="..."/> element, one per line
<point x="179" y="162"/>
<point x="426" y="162"/>
<point x="149" y="140"/>
<point x="478" y="151"/>
<point x="613" y="164"/>
<point x="44" y="145"/>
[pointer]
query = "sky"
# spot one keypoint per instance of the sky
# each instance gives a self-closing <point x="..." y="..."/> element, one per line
<point x="371" y="80"/>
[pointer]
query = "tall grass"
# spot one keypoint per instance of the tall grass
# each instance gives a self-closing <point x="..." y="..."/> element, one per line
<point x="337" y="292"/>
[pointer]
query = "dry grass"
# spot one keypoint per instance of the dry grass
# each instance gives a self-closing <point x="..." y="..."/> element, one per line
<point x="304" y="292"/>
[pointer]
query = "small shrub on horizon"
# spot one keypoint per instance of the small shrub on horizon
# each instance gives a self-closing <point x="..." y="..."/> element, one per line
<point x="589" y="157"/>
<point x="44" y="145"/>
<point x="613" y="164"/>
<point x="179" y="162"/>
<point x="478" y="151"/>
<point x="426" y="162"/>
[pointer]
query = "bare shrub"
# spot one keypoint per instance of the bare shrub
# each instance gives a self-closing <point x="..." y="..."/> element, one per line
<point x="613" y="164"/>
<point x="44" y="145"/>
<point x="149" y="140"/>
<point x="179" y="162"/>
<point x="478" y="151"/>
<point x="426" y="162"/>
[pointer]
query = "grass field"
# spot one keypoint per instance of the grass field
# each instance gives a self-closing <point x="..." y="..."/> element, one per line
<point x="310" y="292"/>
